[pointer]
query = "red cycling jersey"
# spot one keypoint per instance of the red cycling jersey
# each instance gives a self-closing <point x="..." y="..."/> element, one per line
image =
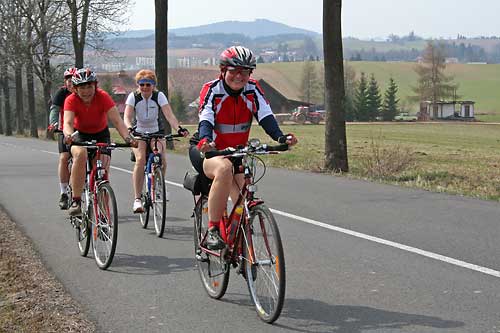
<point x="90" y="118"/>
<point x="231" y="116"/>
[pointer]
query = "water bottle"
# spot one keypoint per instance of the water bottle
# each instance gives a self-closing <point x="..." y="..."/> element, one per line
<point x="234" y="222"/>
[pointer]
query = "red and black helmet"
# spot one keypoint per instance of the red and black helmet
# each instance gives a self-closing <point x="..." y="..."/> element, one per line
<point x="237" y="56"/>
<point x="69" y="72"/>
<point x="83" y="75"/>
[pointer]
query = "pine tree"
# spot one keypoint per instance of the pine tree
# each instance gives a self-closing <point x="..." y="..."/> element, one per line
<point x="360" y="100"/>
<point x="390" y="106"/>
<point x="179" y="105"/>
<point x="374" y="100"/>
<point x="350" y="90"/>
<point x="310" y="83"/>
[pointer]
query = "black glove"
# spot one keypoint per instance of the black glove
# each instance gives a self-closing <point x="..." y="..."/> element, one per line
<point x="182" y="131"/>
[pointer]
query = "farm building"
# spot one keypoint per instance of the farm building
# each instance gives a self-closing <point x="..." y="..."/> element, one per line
<point x="463" y="110"/>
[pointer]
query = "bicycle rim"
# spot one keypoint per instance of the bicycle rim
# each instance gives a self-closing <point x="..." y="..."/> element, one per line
<point x="146" y="203"/>
<point x="159" y="201"/>
<point x="214" y="271"/>
<point x="266" y="278"/>
<point x="105" y="226"/>
<point x="82" y="225"/>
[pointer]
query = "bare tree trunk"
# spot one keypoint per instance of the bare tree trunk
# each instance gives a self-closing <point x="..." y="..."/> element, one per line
<point x="18" y="72"/>
<point x="30" y="85"/>
<point x="161" y="54"/>
<point x="1" y="108"/>
<point x="335" y="130"/>
<point x="6" y="96"/>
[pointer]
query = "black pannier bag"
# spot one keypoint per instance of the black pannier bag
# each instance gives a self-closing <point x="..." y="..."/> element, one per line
<point x="192" y="182"/>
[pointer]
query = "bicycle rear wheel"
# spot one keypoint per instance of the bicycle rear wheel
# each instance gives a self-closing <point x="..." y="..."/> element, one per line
<point x="82" y="225"/>
<point x="214" y="271"/>
<point x="105" y="226"/>
<point x="159" y="201"/>
<point x="146" y="203"/>
<point x="265" y="274"/>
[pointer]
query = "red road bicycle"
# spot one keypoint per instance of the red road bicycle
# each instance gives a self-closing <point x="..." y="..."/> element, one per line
<point x="99" y="219"/>
<point x="253" y="242"/>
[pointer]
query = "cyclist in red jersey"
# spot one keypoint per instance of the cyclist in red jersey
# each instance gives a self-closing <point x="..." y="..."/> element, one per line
<point x="227" y="108"/>
<point x="87" y="110"/>
<point x="56" y="122"/>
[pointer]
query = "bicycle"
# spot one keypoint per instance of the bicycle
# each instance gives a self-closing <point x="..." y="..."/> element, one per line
<point x="154" y="189"/>
<point x="99" y="219"/>
<point x="253" y="242"/>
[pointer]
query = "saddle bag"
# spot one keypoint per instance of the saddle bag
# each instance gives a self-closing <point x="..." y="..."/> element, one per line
<point x="192" y="182"/>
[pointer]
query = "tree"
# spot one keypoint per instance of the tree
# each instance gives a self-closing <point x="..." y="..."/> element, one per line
<point x="94" y="19"/>
<point x="374" y="100"/>
<point x="179" y="105"/>
<point x="161" y="53"/>
<point x="432" y="83"/>
<point x="335" y="132"/>
<point x="390" y="105"/>
<point x="309" y="83"/>
<point x="350" y="89"/>
<point x="361" y="100"/>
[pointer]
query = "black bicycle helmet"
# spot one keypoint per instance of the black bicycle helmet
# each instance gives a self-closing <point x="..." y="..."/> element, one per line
<point x="83" y="75"/>
<point x="238" y="56"/>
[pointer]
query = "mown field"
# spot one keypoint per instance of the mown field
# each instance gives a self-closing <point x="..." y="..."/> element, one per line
<point x="443" y="157"/>
<point x="480" y="83"/>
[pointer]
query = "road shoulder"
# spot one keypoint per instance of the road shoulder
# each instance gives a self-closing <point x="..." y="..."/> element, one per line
<point x="31" y="299"/>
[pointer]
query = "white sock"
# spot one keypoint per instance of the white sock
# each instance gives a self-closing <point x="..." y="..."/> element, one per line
<point x="64" y="187"/>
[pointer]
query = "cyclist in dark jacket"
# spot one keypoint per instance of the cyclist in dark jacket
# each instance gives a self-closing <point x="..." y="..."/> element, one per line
<point x="56" y="123"/>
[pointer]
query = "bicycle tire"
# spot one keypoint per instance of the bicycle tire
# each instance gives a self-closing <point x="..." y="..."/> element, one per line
<point x="159" y="200"/>
<point x="266" y="277"/>
<point x="104" y="226"/>
<point x="82" y="225"/>
<point x="146" y="203"/>
<point x="214" y="271"/>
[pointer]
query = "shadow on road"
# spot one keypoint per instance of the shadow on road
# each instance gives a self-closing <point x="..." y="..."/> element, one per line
<point x="318" y="316"/>
<point x="150" y="265"/>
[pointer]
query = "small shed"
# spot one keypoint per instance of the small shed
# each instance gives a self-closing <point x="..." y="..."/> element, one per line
<point x="458" y="110"/>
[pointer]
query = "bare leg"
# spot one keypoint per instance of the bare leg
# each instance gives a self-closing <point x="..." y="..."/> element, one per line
<point x="138" y="174"/>
<point x="78" y="169"/>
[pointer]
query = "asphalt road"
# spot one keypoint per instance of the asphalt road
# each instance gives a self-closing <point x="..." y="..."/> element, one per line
<point x="360" y="256"/>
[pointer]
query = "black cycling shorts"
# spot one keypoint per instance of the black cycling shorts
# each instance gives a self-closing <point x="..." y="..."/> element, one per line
<point x="197" y="161"/>
<point x="63" y="148"/>
<point x="103" y="136"/>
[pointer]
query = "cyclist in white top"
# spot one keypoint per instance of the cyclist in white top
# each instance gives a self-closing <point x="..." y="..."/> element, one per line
<point x="143" y="110"/>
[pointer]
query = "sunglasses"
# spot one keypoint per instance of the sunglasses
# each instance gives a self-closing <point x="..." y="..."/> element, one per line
<point x="236" y="71"/>
<point x="145" y="84"/>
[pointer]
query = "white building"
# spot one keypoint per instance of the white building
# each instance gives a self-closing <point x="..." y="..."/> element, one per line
<point x="447" y="110"/>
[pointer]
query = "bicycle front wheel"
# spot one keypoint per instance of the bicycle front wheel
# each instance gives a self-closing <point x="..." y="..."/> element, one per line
<point x="214" y="271"/>
<point x="82" y="224"/>
<point x="265" y="264"/>
<point x="104" y="226"/>
<point x="159" y="201"/>
<point x="146" y="202"/>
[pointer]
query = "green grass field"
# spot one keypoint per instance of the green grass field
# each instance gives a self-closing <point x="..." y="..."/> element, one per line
<point x="479" y="83"/>
<point x="448" y="157"/>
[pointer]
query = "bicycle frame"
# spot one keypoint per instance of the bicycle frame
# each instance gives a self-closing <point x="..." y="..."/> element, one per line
<point x="231" y="230"/>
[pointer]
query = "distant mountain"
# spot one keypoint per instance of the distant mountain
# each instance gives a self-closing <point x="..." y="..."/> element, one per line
<point x="254" y="29"/>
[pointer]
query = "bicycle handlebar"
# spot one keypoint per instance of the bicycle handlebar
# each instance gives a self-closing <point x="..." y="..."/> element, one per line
<point x="261" y="149"/>
<point x="94" y="144"/>
<point x="148" y="136"/>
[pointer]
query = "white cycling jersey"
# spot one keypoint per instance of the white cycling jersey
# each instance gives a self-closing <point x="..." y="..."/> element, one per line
<point x="147" y="112"/>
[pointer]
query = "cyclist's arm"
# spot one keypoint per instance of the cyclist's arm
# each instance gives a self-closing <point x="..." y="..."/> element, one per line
<point x="54" y="113"/>
<point x="128" y="116"/>
<point x="69" y="117"/>
<point x="271" y="127"/>
<point x="115" y="118"/>
<point x="170" y="116"/>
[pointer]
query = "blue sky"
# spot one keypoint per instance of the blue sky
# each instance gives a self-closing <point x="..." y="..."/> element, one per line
<point x="361" y="18"/>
